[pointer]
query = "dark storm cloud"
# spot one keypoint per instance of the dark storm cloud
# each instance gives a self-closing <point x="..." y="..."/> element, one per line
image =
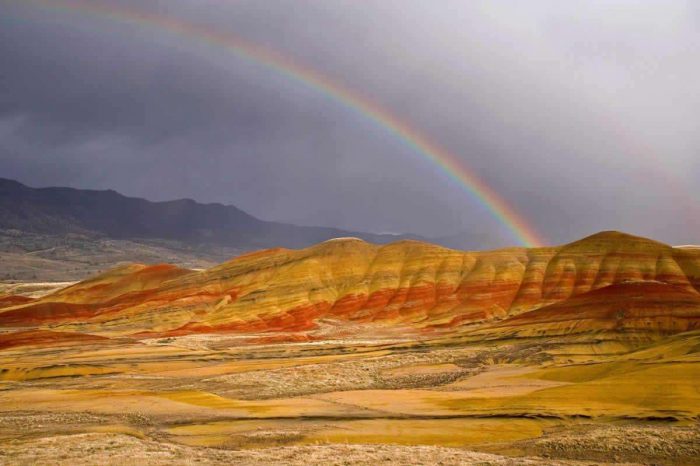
<point x="582" y="116"/>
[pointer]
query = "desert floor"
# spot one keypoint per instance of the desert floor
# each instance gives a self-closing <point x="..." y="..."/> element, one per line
<point x="215" y="399"/>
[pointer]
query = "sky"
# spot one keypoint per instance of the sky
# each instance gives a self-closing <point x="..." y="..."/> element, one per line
<point x="582" y="115"/>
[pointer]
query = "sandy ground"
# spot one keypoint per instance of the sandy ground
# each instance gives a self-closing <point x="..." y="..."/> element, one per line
<point x="32" y="289"/>
<point x="115" y="449"/>
<point x="216" y="400"/>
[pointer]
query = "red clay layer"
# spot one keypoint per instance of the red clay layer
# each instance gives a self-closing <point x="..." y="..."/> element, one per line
<point x="14" y="300"/>
<point x="649" y="306"/>
<point x="492" y="285"/>
<point x="46" y="338"/>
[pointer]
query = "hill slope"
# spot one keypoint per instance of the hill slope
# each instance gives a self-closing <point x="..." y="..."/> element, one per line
<point x="612" y="281"/>
<point x="587" y="351"/>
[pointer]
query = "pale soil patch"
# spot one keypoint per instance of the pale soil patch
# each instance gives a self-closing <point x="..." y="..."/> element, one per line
<point x="438" y="432"/>
<point x="244" y="434"/>
<point x="33" y="289"/>
<point x="499" y="381"/>
<point x="357" y="373"/>
<point x="115" y="449"/>
<point x="185" y="404"/>
<point x="399" y="402"/>
<point x="647" y="391"/>
<point x="423" y="369"/>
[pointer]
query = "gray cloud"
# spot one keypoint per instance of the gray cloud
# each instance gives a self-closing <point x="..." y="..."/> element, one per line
<point x="583" y="116"/>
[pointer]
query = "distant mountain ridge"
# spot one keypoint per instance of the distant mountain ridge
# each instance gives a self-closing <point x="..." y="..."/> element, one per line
<point x="60" y="211"/>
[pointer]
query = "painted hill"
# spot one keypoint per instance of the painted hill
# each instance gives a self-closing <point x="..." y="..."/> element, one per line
<point x="608" y="282"/>
<point x="626" y="307"/>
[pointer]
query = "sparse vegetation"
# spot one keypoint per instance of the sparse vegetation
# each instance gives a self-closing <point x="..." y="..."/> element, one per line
<point x="291" y="357"/>
<point x="299" y="404"/>
<point x="28" y="257"/>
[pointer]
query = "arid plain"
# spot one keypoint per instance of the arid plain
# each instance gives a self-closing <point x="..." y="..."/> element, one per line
<point x="352" y="353"/>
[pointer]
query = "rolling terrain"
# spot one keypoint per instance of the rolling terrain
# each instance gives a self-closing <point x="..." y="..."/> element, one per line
<point x="395" y="353"/>
<point x="606" y="282"/>
<point x="65" y="234"/>
<point x="60" y="234"/>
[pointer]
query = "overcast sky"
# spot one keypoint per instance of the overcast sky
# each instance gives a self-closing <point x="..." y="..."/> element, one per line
<point x="582" y="115"/>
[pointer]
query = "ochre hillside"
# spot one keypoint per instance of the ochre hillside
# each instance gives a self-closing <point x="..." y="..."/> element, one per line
<point x="587" y="351"/>
<point x="608" y="281"/>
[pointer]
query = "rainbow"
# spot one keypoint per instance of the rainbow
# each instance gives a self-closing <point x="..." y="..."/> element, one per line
<point x="524" y="233"/>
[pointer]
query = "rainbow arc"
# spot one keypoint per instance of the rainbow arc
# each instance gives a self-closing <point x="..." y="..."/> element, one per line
<point x="448" y="163"/>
